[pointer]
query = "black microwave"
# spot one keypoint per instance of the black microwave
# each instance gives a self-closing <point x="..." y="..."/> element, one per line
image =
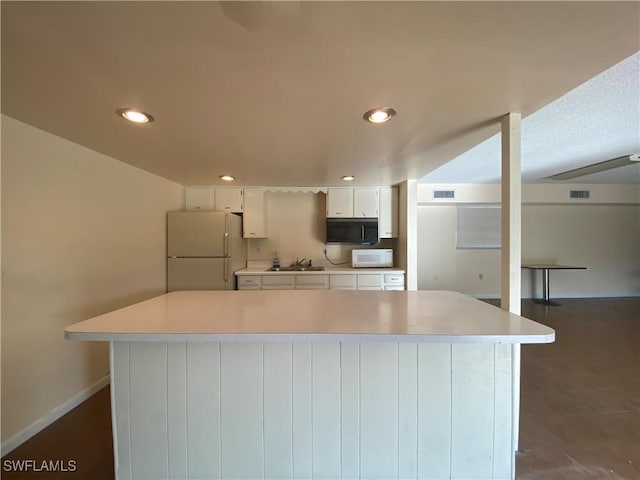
<point x="363" y="231"/>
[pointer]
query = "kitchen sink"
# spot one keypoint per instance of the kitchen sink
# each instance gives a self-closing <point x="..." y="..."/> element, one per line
<point x="296" y="269"/>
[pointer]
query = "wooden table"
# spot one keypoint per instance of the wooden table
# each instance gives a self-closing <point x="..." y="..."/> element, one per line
<point x="545" y="278"/>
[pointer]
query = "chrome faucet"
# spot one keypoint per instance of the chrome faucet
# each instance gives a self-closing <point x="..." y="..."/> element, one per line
<point x="299" y="263"/>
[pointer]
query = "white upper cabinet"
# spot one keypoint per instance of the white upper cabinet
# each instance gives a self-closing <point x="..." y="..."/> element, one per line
<point x="350" y="202"/>
<point x="253" y="218"/>
<point x="366" y="202"/>
<point x="198" y="198"/>
<point x="339" y="202"/>
<point x="388" y="219"/>
<point x="228" y="199"/>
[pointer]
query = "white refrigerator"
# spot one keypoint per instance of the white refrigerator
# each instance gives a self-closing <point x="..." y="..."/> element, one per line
<point x="204" y="249"/>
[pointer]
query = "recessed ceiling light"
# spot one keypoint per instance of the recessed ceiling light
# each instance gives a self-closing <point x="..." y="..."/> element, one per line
<point x="227" y="178"/>
<point x="379" y="115"/>
<point x="348" y="178"/>
<point x="135" y="116"/>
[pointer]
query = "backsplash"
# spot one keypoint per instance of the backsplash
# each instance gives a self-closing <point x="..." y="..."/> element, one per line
<point x="296" y="229"/>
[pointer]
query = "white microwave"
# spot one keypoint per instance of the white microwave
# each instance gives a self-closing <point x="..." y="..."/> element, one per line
<point x="371" y="257"/>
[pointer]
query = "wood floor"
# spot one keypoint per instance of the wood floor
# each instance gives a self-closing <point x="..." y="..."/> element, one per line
<point x="580" y="403"/>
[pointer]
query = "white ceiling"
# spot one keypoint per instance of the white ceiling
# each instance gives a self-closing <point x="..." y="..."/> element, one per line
<point x="597" y="121"/>
<point x="274" y="92"/>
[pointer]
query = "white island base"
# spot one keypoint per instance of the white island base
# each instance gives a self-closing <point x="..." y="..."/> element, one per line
<point x="317" y="403"/>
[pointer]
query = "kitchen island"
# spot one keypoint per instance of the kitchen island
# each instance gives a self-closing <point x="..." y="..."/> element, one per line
<point x="312" y="384"/>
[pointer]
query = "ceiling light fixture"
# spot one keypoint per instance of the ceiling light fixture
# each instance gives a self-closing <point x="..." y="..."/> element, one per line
<point x="227" y="178"/>
<point x="379" y="115"/>
<point x="135" y="116"/>
<point x="598" y="167"/>
<point x="348" y="178"/>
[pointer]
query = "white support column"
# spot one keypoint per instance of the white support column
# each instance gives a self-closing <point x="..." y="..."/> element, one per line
<point x="512" y="246"/>
<point x="412" y="234"/>
<point x="407" y="253"/>
<point x="511" y="213"/>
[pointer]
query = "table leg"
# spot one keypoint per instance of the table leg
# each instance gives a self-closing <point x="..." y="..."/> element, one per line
<point x="545" y="289"/>
<point x="545" y="284"/>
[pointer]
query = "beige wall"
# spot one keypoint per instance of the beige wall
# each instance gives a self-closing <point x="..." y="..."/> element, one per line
<point x="296" y="229"/>
<point x="603" y="235"/>
<point x="82" y="234"/>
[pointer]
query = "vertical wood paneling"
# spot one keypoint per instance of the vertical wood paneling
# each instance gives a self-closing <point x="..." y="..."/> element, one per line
<point x="278" y="377"/>
<point x="407" y="410"/>
<point x="203" y="410"/>
<point x="120" y="398"/>
<point x="379" y="410"/>
<point x="148" y="410"/>
<point x="241" y="389"/>
<point x="326" y="410"/>
<point x="177" y="409"/>
<point x="472" y="411"/>
<point x="302" y="411"/>
<point x="434" y="410"/>
<point x="323" y="410"/>
<point x="503" y="447"/>
<point x="350" y="410"/>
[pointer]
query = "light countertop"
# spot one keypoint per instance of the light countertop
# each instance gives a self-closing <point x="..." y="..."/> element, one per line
<point x="333" y="270"/>
<point x="308" y="315"/>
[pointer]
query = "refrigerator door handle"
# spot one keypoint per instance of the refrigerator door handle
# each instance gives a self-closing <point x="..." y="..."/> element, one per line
<point x="226" y="269"/>
<point x="227" y="228"/>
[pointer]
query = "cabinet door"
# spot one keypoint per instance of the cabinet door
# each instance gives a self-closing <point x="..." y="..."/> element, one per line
<point x="198" y="198"/>
<point x="365" y="202"/>
<point x="394" y="281"/>
<point x="278" y="282"/>
<point x="249" y="282"/>
<point x="340" y="202"/>
<point x="228" y="199"/>
<point x="253" y="218"/>
<point x="388" y="219"/>
<point x="342" y="282"/>
<point x="312" y="282"/>
<point x="371" y="281"/>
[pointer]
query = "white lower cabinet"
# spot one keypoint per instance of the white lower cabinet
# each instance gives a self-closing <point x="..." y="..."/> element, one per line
<point x="278" y="282"/>
<point x="370" y="281"/>
<point x="360" y="281"/>
<point x="342" y="282"/>
<point x="394" y="281"/>
<point x="249" y="282"/>
<point x="312" y="282"/>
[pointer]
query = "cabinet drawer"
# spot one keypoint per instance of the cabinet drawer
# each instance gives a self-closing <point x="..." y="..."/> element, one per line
<point x="393" y="279"/>
<point x="370" y="280"/>
<point x="394" y="287"/>
<point x="343" y="281"/>
<point x="278" y="282"/>
<point x="312" y="282"/>
<point x="249" y="282"/>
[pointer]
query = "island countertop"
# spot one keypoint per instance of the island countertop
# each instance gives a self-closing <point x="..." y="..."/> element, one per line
<point x="304" y="315"/>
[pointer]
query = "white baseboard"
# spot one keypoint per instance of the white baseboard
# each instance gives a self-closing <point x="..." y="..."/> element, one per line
<point x="43" y="422"/>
